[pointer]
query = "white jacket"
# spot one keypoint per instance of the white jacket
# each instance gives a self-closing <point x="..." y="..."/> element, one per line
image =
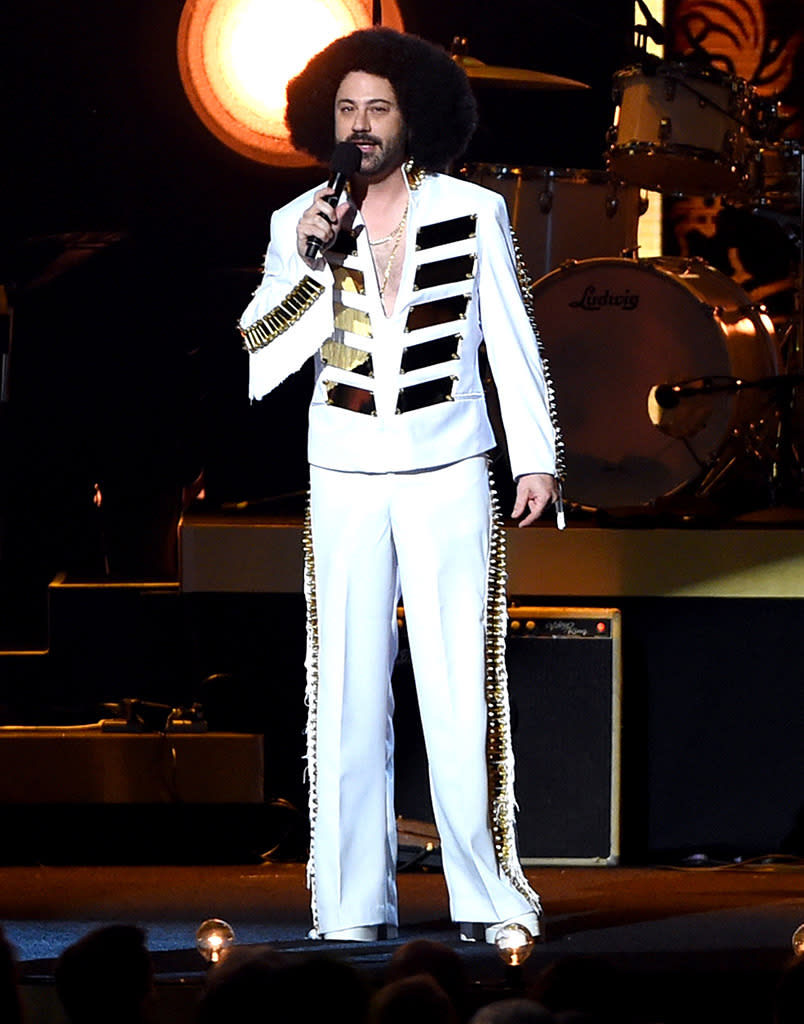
<point x="404" y="392"/>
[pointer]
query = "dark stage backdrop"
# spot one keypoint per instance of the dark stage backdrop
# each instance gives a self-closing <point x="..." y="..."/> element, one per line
<point x="132" y="239"/>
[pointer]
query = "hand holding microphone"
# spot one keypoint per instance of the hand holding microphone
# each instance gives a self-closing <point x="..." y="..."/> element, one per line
<point x="344" y="163"/>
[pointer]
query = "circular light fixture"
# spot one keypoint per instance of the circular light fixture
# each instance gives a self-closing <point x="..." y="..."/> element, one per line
<point x="514" y="944"/>
<point x="237" y="56"/>
<point x="214" y="939"/>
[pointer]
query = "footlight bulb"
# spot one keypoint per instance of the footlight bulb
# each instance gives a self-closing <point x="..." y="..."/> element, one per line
<point x="514" y="944"/>
<point x="798" y="940"/>
<point x="213" y="939"/>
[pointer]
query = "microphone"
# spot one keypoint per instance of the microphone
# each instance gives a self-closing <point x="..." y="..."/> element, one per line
<point x="344" y="162"/>
<point x="666" y="396"/>
<point x="676" y="418"/>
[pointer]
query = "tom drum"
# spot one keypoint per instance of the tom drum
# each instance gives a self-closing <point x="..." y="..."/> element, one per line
<point x="564" y="214"/>
<point x="774" y="177"/>
<point x="680" y="129"/>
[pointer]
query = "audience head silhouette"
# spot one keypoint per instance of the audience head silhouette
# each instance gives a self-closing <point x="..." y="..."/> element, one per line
<point x="107" y="976"/>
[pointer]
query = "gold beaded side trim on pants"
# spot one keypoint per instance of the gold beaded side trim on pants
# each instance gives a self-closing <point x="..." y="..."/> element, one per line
<point x="499" y="747"/>
<point x="311" y="700"/>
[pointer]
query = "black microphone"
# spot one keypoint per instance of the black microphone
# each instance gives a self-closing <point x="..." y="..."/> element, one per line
<point x="345" y="161"/>
<point x="667" y="396"/>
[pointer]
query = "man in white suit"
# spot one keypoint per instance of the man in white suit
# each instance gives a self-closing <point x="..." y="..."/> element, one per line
<point x="403" y="282"/>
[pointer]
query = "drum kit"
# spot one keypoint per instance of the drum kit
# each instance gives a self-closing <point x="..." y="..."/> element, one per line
<point x="675" y="390"/>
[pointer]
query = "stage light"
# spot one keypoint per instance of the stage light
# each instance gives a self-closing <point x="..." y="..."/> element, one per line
<point x="237" y="56"/>
<point x="798" y="940"/>
<point x="514" y="944"/>
<point x="213" y="939"/>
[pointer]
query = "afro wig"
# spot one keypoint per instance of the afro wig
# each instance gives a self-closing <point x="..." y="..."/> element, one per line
<point x="433" y="92"/>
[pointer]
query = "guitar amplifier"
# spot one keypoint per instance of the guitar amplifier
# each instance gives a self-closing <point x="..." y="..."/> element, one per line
<point x="564" y="677"/>
<point x="564" y="674"/>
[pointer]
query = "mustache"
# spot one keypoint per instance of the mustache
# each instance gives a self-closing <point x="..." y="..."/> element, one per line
<point x="357" y="138"/>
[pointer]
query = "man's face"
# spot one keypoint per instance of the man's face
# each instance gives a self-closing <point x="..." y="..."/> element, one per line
<point x="367" y="113"/>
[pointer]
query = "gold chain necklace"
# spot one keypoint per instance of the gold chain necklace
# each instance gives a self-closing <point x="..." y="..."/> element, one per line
<point x="397" y="235"/>
<point x="396" y="231"/>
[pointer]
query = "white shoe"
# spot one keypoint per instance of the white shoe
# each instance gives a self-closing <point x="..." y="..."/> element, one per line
<point x="472" y="932"/>
<point x="364" y="933"/>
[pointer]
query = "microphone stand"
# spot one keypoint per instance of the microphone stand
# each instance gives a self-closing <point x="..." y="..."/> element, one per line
<point x="784" y="478"/>
<point x="792" y="335"/>
<point x="652" y="29"/>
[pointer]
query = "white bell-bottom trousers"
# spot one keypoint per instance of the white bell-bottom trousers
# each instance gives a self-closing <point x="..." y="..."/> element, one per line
<point x="422" y="536"/>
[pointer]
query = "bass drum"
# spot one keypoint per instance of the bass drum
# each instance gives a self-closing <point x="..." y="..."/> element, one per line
<point x="614" y="329"/>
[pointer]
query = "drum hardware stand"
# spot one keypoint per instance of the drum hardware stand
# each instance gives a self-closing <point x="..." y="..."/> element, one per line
<point x="784" y="475"/>
<point x="793" y="334"/>
<point x="652" y="29"/>
<point x="786" y="467"/>
<point x="790" y="330"/>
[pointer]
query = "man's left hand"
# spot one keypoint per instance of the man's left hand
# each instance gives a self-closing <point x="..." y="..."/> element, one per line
<point x="534" y="492"/>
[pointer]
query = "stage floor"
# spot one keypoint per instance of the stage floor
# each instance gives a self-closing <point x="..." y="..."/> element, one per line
<point x="703" y="943"/>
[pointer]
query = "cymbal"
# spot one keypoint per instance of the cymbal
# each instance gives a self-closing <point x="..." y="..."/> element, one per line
<point x="517" y="78"/>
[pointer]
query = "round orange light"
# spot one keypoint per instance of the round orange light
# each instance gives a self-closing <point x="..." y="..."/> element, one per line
<point x="237" y="56"/>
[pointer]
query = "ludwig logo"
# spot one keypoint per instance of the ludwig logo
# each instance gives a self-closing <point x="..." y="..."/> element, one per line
<point x="592" y="299"/>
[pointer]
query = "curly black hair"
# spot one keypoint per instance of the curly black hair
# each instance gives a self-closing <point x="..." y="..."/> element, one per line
<point x="433" y="93"/>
